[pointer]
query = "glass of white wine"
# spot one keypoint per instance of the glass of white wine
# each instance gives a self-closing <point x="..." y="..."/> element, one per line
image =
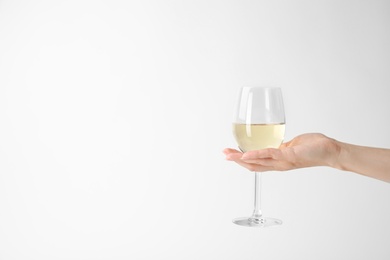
<point x="259" y="123"/>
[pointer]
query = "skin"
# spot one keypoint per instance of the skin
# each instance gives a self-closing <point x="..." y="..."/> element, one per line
<point x="309" y="150"/>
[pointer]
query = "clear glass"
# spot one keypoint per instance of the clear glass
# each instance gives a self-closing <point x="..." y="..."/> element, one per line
<point x="259" y="123"/>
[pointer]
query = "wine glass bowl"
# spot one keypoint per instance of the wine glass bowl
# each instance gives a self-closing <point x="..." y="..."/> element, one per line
<point x="259" y="123"/>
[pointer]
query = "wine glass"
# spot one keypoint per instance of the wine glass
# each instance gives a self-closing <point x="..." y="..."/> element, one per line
<point x="259" y="123"/>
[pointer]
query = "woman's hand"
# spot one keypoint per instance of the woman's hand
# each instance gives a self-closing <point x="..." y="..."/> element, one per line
<point x="310" y="150"/>
<point x="306" y="150"/>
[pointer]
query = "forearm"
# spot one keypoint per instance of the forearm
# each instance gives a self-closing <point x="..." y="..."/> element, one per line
<point x="368" y="161"/>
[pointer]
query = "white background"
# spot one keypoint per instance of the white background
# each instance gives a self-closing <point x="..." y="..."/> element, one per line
<point x="113" y="116"/>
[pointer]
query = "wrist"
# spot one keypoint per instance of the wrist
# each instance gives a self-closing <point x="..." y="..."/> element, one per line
<point x="337" y="150"/>
<point x="340" y="155"/>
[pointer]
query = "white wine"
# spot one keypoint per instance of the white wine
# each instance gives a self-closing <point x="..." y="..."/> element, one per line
<point x="258" y="136"/>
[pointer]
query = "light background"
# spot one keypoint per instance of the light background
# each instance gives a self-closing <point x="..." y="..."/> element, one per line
<point x="113" y="116"/>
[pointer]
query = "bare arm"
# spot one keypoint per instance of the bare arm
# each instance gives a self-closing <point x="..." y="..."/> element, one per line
<point x="369" y="161"/>
<point x="310" y="150"/>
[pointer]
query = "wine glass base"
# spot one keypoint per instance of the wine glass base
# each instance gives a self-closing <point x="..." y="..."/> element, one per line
<point x="257" y="222"/>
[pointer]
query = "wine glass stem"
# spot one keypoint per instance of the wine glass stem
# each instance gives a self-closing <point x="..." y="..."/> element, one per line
<point x="257" y="211"/>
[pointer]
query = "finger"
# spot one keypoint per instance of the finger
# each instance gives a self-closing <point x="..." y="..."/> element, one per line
<point x="254" y="167"/>
<point x="232" y="154"/>
<point x="261" y="154"/>
<point x="235" y="155"/>
<point x="230" y="150"/>
<point x="263" y="162"/>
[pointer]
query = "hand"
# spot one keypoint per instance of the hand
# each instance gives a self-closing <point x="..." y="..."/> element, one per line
<point x="306" y="150"/>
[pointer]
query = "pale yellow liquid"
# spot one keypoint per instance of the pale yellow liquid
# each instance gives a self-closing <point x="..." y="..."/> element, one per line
<point x="258" y="136"/>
